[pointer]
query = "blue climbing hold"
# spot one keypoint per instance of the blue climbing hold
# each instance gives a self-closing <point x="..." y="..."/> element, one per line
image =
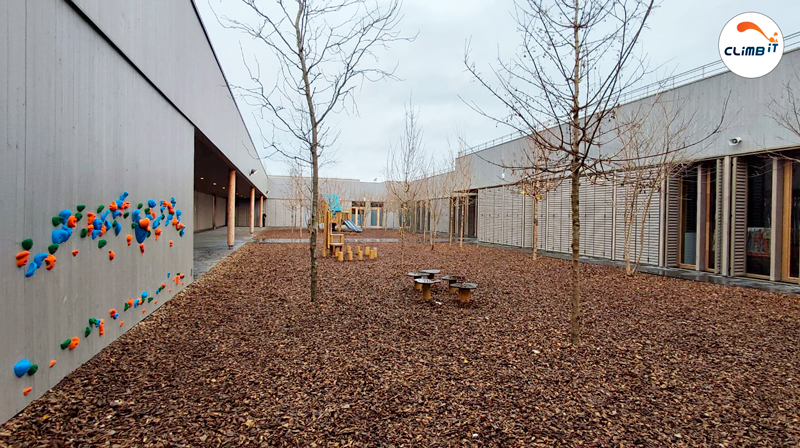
<point x="104" y="215"/>
<point x="60" y="236"/>
<point x="145" y="294"/>
<point x="115" y="214"/>
<point x="135" y="216"/>
<point x="65" y="214"/>
<point x="168" y="274"/>
<point x="141" y="234"/>
<point x="22" y="367"/>
<point x="151" y="203"/>
<point x="179" y="213"/>
<point x="117" y="228"/>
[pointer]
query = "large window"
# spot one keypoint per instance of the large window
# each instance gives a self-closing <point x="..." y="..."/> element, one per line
<point x="791" y="221"/>
<point x="759" y="216"/>
<point x="688" y="217"/>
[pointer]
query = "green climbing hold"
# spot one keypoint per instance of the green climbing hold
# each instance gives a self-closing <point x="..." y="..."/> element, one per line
<point x="149" y="233"/>
<point x="87" y="332"/>
<point x="114" y="224"/>
<point x="133" y="225"/>
<point x="80" y="207"/>
<point x="27" y="244"/>
<point x="147" y="211"/>
<point x="34" y="368"/>
<point x="100" y="208"/>
<point x="65" y="344"/>
<point x="92" y="321"/>
<point x="149" y="299"/>
<point x="102" y="243"/>
<point x="126" y="306"/>
<point x="78" y="216"/>
<point x="56" y="221"/>
<point x="163" y="217"/>
<point x="52" y="248"/>
<point x="84" y="232"/>
<point x="140" y="206"/>
<point x="126" y="215"/>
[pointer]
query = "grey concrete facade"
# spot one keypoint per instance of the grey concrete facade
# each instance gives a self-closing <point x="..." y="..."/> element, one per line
<point x="99" y="98"/>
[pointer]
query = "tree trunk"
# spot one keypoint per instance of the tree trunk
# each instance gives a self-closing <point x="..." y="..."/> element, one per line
<point x="312" y="238"/>
<point x="464" y="205"/>
<point x="641" y="234"/>
<point x="535" y="227"/>
<point x="576" y="316"/>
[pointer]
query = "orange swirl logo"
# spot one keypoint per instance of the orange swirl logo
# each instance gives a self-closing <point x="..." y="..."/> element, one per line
<point x="747" y="49"/>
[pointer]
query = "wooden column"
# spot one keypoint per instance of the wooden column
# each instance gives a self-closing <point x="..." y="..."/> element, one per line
<point x="252" y="209"/>
<point x="214" y="212"/>
<point x="261" y="212"/>
<point x="231" y="208"/>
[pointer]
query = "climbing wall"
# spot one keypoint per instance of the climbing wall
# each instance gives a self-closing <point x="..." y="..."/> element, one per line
<point x="94" y="168"/>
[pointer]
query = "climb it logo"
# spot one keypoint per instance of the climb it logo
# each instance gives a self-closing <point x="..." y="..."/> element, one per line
<point x="751" y="45"/>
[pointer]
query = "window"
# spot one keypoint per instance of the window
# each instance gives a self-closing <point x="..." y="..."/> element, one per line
<point x="711" y="217"/>
<point x="688" y="218"/>
<point x="759" y="217"/>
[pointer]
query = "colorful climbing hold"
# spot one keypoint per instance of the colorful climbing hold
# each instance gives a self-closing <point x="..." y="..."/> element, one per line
<point x="65" y="344"/>
<point x="78" y="216"/>
<point x="102" y="327"/>
<point x="111" y="255"/>
<point x="126" y="215"/>
<point x="26" y="391"/>
<point x="72" y="222"/>
<point x="34" y="368"/>
<point x="22" y="258"/>
<point x="80" y="207"/>
<point x="112" y="312"/>
<point x="141" y="248"/>
<point x="50" y="262"/>
<point x="100" y="208"/>
<point x="60" y="235"/>
<point x="52" y="363"/>
<point x="84" y="232"/>
<point x="75" y="253"/>
<point x="52" y="248"/>
<point x="87" y="332"/>
<point x="140" y="205"/>
<point x="92" y="322"/>
<point x="27" y="244"/>
<point x="22" y="367"/>
<point x="158" y="233"/>
<point x="143" y="310"/>
<point x="170" y="243"/>
<point x="122" y="322"/>
<point x="74" y="343"/>
<point x="56" y="221"/>
<point x="170" y="290"/>
<point x="102" y="243"/>
<point x="129" y="238"/>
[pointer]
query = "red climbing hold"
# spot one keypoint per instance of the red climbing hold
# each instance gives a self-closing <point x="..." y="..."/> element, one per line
<point x="170" y="243"/>
<point x="111" y="255"/>
<point x="141" y="248"/>
<point x="75" y="253"/>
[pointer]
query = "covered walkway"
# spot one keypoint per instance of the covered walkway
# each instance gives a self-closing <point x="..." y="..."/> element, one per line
<point x="211" y="246"/>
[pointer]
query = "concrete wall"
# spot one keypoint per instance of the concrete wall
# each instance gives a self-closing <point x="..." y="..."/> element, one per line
<point x="221" y="212"/>
<point x="79" y="126"/>
<point x="167" y="42"/>
<point x="203" y="211"/>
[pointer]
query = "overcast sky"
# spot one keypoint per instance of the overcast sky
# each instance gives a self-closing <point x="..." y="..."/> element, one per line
<point x="682" y="35"/>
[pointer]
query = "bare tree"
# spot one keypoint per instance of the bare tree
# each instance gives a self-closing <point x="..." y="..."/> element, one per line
<point x="323" y="50"/>
<point x="575" y="60"/>
<point x="785" y="110"/>
<point x="436" y="187"/>
<point x="655" y="136"/>
<point x="297" y="193"/>
<point x="405" y="166"/>
<point x="535" y="184"/>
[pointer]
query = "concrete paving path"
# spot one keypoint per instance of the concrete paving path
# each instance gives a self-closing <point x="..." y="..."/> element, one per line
<point x="211" y="246"/>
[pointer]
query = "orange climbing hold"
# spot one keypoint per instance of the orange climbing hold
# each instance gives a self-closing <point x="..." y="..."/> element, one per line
<point x="130" y="239"/>
<point x="50" y="262"/>
<point x="121" y="322"/>
<point x="141" y="248"/>
<point x="74" y="343"/>
<point x="90" y="216"/>
<point x="112" y="312"/>
<point x="143" y="310"/>
<point x="112" y="206"/>
<point x="111" y="255"/>
<point x="22" y="258"/>
<point x="72" y="222"/>
<point x="156" y="302"/>
<point x="90" y="228"/>
<point x="170" y="243"/>
<point x="52" y="363"/>
<point x="125" y="205"/>
<point x="27" y="391"/>
<point x="170" y="290"/>
<point x="130" y="302"/>
<point x="144" y="223"/>
<point x="75" y="253"/>
<point x="102" y="327"/>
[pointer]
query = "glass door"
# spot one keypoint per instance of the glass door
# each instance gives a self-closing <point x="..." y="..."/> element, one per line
<point x="791" y="222"/>
<point x="688" y="219"/>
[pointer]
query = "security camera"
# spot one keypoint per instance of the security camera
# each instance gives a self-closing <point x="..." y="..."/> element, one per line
<point x="735" y="141"/>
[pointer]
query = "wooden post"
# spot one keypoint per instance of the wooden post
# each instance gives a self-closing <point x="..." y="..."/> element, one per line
<point x="340" y="255"/>
<point x="214" y="212"/>
<point x="426" y="292"/>
<point x="231" y="208"/>
<point x="261" y="212"/>
<point x="463" y="295"/>
<point x="252" y="209"/>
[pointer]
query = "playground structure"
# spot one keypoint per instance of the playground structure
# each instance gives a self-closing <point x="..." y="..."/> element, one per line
<point x="334" y="220"/>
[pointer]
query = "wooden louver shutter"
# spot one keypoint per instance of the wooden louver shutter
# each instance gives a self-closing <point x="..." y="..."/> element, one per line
<point x="739" y="218"/>
<point x="673" y="222"/>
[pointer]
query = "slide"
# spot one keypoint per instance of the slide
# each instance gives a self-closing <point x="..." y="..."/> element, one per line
<point x="351" y="227"/>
